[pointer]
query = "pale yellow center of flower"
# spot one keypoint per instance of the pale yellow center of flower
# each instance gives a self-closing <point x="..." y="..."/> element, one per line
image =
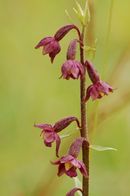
<point x="101" y="94"/>
<point x="68" y="166"/>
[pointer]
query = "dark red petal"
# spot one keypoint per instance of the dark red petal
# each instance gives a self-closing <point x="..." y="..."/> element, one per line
<point x="76" y="146"/>
<point x="57" y="162"/>
<point x="75" y="71"/>
<point x="49" y="136"/>
<point x="88" y="91"/>
<point x="67" y="158"/>
<point x="94" y="93"/>
<point x="48" y="144"/>
<point x="61" y="170"/>
<point x="71" y="52"/>
<point x="94" y="76"/>
<point x="83" y="169"/>
<point x="58" y="141"/>
<point x="54" y="53"/>
<point x="104" y="87"/>
<point x="71" y="172"/>
<point x="65" y="122"/>
<point x="44" y="41"/>
<point x="43" y="126"/>
<point x="76" y="163"/>
<point x="64" y="30"/>
<point x="73" y="191"/>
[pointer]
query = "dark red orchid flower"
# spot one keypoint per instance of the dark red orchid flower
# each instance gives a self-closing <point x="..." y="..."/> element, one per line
<point x="69" y="164"/>
<point x="72" y="69"/>
<point x="50" y="132"/>
<point x="99" y="88"/>
<point x="50" y="45"/>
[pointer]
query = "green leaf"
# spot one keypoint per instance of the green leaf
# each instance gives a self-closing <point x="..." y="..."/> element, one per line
<point x="102" y="148"/>
<point x="78" y="184"/>
<point x="87" y="16"/>
<point x="80" y="17"/>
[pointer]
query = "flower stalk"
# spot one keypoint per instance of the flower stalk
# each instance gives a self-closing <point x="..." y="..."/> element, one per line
<point x="84" y="128"/>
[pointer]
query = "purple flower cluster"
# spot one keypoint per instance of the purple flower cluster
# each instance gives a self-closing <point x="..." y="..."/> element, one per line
<point x="70" y="69"/>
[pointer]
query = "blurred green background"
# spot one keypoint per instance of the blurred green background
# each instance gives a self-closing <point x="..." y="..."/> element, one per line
<point x="31" y="92"/>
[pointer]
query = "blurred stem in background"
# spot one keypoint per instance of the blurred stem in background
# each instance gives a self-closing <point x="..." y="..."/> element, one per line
<point x="106" y="48"/>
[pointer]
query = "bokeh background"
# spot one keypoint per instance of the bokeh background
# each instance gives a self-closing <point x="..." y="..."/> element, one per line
<point x="32" y="93"/>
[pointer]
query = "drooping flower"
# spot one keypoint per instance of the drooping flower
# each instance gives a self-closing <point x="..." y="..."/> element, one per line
<point x="99" y="88"/>
<point x="50" y="46"/>
<point x="73" y="191"/>
<point x="50" y="132"/>
<point x="72" y="69"/>
<point x="69" y="164"/>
